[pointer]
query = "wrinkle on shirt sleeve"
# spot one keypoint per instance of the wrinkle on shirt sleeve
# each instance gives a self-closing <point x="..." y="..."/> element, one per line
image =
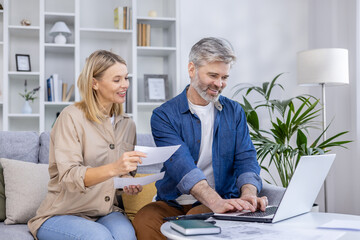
<point x="249" y="178"/>
<point x="189" y="180"/>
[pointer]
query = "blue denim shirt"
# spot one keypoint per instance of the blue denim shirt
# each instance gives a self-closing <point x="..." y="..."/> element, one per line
<point x="233" y="153"/>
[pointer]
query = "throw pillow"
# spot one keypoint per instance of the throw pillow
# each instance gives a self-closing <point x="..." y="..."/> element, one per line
<point x="133" y="203"/>
<point x="25" y="188"/>
<point x="2" y="195"/>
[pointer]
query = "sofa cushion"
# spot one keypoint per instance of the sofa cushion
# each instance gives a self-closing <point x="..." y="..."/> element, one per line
<point x="2" y="195"/>
<point x="44" y="147"/>
<point x="22" y="146"/>
<point x="25" y="188"/>
<point x="133" y="203"/>
<point x="17" y="231"/>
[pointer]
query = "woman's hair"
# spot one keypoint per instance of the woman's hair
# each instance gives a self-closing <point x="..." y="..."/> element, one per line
<point x="96" y="65"/>
<point x="211" y="49"/>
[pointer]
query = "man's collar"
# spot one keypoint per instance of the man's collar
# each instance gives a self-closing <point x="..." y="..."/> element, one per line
<point x="184" y="105"/>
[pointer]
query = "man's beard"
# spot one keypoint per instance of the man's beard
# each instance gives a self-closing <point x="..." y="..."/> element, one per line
<point x="202" y="92"/>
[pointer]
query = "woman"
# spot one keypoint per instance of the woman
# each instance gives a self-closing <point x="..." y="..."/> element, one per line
<point x="91" y="142"/>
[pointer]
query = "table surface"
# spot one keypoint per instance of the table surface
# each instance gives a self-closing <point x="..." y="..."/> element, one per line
<point x="308" y="221"/>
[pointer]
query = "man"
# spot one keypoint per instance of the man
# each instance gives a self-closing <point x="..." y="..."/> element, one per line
<point x="216" y="162"/>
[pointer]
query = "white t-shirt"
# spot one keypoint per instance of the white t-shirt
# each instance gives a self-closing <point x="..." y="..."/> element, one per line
<point x="206" y="115"/>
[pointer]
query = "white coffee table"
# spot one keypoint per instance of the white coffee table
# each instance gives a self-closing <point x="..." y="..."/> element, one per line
<point x="309" y="221"/>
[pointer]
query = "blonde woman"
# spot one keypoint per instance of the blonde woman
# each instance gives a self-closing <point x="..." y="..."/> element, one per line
<point x="91" y="142"/>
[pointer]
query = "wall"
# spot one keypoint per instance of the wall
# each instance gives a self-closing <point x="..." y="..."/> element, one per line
<point x="266" y="36"/>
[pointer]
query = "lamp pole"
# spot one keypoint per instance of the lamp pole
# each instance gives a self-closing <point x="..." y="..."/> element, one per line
<point x="324" y="137"/>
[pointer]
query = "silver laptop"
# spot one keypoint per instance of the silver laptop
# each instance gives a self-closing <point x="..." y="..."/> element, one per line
<point x="299" y="196"/>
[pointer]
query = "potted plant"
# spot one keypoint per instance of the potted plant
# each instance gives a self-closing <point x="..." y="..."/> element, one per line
<point x="285" y="138"/>
<point x="28" y="96"/>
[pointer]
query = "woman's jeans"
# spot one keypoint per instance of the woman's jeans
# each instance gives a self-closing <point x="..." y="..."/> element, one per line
<point x="112" y="226"/>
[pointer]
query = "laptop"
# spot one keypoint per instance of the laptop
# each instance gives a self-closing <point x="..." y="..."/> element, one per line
<point x="299" y="196"/>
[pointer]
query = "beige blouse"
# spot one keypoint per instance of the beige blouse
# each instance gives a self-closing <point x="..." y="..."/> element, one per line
<point x="76" y="144"/>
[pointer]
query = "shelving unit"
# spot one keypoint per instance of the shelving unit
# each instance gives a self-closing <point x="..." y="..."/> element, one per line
<point x="91" y="23"/>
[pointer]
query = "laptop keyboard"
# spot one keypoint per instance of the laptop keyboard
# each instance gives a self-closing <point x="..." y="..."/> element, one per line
<point x="269" y="211"/>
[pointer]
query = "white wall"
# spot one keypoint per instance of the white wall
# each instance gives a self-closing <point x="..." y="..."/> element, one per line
<point x="266" y="36"/>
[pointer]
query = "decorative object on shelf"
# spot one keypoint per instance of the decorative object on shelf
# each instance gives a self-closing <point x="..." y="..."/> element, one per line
<point x="60" y="31"/>
<point x="156" y="88"/>
<point x="23" y="63"/>
<point x="25" y="22"/>
<point x="152" y="13"/>
<point x="1" y="7"/>
<point x="28" y="96"/>
<point x="281" y="137"/>
<point x="325" y="66"/>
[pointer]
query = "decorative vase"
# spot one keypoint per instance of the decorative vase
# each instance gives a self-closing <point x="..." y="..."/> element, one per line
<point x="26" y="108"/>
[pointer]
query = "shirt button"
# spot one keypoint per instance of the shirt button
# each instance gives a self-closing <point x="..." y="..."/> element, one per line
<point x="107" y="198"/>
<point x="112" y="146"/>
<point x="198" y="121"/>
<point x="198" y="141"/>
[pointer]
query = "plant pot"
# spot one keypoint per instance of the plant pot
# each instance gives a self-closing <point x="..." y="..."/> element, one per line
<point x="26" y="108"/>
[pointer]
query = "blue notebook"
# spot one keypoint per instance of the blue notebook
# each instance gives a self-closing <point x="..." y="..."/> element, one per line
<point x="194" y="227"/>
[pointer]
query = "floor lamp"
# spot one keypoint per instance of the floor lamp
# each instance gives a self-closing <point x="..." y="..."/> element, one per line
<point x="325" y="66"/>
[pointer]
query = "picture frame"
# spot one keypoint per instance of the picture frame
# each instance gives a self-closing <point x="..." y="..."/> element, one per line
<point x="156" y="87"/>
<point x="22" y="62"/>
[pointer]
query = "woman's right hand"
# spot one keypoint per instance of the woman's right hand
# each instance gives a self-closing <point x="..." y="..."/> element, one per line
<point x="127" y="162"/>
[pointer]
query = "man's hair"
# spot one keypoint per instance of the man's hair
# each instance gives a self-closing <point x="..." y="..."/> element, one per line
<point x="96" y="65"/>
<point x="211" y="49"/>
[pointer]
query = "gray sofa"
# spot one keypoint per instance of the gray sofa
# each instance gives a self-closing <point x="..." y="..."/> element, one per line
<point x="30" y="147"/>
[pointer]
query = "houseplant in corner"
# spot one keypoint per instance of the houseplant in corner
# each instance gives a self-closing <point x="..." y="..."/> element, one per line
<point x="284" y="139"/>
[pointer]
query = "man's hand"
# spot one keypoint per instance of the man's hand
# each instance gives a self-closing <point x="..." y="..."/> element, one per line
<point x="248" y="193"/>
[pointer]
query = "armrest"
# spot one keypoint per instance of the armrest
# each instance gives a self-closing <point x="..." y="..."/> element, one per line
<point x="274" y="193"/>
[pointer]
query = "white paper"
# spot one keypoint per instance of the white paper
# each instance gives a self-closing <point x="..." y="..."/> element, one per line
<point x="253" y="231"/>
<point x="122" y="182"/>
<point x="156" y="154"/>
<point x="342" y="225"/>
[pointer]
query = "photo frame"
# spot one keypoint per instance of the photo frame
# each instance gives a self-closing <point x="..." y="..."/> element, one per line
<point x="23" y="63"/>
<point x="156" y="87"/>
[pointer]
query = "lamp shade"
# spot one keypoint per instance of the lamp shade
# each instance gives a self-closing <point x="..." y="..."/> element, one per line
<point x="323" y="66"/>
<point x="60" y="27"/>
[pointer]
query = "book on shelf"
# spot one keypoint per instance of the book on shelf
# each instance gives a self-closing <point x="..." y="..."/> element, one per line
<point x="143" y="34"/>
<point x="123" y="17"/>
<point x="69" y="93"/>
<point x="57" y="90"/>
<point x="194" y="227"/>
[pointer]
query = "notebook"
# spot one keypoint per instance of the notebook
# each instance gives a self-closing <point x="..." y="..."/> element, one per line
<point x="194" y="227"/>
<point x="299" y="196"/>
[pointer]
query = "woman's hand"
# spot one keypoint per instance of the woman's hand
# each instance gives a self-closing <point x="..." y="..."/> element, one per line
<point x="127" y="162"/>
<point x="132" y="189"/>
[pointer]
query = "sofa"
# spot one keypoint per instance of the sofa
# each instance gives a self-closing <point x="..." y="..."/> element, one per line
<point x="23" y="184"/>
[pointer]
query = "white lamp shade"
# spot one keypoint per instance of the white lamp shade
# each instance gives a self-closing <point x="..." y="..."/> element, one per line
<point x="323" y="66"/>
<point x="60" y="27"/>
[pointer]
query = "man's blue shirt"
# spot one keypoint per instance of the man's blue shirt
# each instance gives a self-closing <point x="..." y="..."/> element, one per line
<point x="233" y="154"/>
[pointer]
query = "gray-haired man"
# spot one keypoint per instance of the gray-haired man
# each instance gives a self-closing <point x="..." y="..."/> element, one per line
<point x="215" y="169"/>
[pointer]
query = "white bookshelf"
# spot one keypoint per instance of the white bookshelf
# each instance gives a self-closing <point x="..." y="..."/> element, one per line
<point x="92" y="25"/>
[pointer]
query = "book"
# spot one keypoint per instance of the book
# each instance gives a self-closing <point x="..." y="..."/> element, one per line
<point x="194" y="227"/>
<point x="119" y="18"/>
<point x="64" y="90"/>
<point x="69" y="93"/>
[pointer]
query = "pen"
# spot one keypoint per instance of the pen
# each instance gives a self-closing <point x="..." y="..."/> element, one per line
<point x="201" y="216"/>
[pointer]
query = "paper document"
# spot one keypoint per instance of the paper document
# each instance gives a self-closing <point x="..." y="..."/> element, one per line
<point x="156" y="154"/>
<point x="122" y="182"/>
<point x="342" y="225"/>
